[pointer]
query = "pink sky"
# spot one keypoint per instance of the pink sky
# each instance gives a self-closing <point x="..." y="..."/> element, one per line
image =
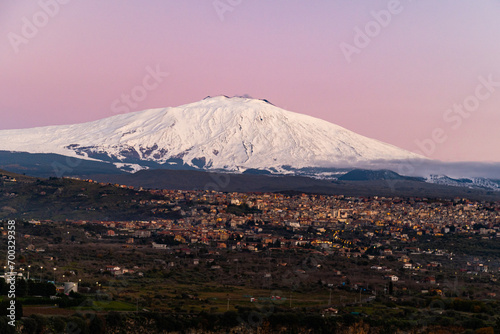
<point x="428" y="57"/>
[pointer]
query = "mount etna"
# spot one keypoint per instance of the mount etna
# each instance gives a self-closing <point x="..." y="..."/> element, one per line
<point x="224" y="135"/>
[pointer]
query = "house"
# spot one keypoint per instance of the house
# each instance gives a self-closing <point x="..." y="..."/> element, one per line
<point x="114" y="270"/>
<point x="142" y="234"/>
<point x="393" y="278"/>
<point x="159" y="246"/>
<point x="430" y="280"/>
<point x="404" y="258"/>
<point x="329" y="312"/>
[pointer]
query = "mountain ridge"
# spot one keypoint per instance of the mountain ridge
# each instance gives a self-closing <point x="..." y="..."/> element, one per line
<point x="227" y="182"/>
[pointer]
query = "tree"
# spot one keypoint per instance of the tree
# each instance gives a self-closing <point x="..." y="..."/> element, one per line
<point x="21" y="288"/>
<point x="29" y="325"/>
<point x="96" y="325"/>
<point x="5" y="327"/>
<point x="114" y="319"/>
<point x="229" y="319"/>
<point x="58" y="324"/>
<point x="77" y="325"/>
<point x="49" y="289"/>
<point x="3" y="286"/>
<point x="41" y="323"/>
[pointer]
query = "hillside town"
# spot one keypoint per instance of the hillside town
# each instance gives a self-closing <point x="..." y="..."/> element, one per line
<point x="401" y="232"/>
<point x="209" y="251"/>
<point x="243" y="220"/>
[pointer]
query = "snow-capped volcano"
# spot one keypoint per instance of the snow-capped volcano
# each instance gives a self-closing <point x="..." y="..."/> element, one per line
<point x="215" y="133"/>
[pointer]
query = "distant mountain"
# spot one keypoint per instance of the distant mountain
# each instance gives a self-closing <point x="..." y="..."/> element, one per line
<point x="472" y="183"/>
<point x="217" y="133"/>
<point x="48" y="164"/>
<point x="369" y="175"/>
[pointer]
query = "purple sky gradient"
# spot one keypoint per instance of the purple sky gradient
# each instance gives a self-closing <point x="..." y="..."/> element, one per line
<point x="396" y="89"/>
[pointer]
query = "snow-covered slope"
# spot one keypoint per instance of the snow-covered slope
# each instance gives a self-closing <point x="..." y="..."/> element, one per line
<point x="215" y="133"/>
<point x="473" y="182"/>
